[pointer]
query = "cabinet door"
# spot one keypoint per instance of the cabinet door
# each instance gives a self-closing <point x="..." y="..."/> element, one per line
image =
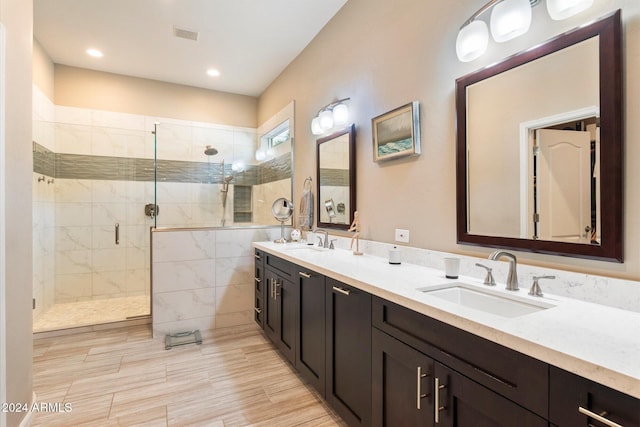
<point x="575" y="402"/>
<point x="310" y="349"/>
<point x="259" y="289"/>
<point x="280" y="319"/>
<point x="402" y="391"/>
<point x="348" y="384"/>
<point x="461" y="402"/>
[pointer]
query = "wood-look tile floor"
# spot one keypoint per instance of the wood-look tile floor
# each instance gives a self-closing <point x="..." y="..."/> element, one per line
<point x="123" y="377"/>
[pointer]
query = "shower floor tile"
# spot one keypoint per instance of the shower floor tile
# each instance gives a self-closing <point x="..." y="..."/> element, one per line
<point x="95" y="312"/>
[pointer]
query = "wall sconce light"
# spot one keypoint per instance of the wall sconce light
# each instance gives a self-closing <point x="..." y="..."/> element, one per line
<point x="329" y="116"/>
<point x="509" y="19"/>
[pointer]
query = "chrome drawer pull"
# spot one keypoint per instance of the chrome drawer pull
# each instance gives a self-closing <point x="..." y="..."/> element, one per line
<point x="437" y="406"/>
<point x="257" y="257"/>
<point x="342" y="291"/>
<point x="305" y="275"/>
<point x="258" y="310"/>
<point x="597" y="417"/>
<point x="257" y="279"/>
<point x="419" y="395"/>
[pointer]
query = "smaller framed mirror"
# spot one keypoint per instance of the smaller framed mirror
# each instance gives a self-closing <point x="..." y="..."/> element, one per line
<point x="336" y="169"/>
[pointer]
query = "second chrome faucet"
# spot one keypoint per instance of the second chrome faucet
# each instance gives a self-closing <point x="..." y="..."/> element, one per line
<point x="512" y="276"/>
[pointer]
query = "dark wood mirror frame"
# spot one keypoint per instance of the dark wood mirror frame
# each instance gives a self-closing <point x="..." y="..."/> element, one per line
<point x="351" y="131"/>
<point x="609" y="30"/>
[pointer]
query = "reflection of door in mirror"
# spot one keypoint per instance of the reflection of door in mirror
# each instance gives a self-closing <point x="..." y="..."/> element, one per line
<point x="334" y="180"/>
<point x="564" y="81"/>
<point x="563" y="180"/>
<point x="575" y="77"/>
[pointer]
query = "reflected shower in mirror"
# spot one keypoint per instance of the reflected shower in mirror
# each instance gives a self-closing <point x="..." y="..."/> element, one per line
<point x="539" y="147"/>
<point x="336" y="179"/>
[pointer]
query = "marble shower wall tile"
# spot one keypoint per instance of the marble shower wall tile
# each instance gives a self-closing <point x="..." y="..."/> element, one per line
<point x="186" y="263"/>
<point x="183" y="245"/>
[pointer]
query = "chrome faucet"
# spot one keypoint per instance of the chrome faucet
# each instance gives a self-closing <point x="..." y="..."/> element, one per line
<point x="512" y="276"/>
<point x="324" y="244"/>
<point x="535" y="288"/>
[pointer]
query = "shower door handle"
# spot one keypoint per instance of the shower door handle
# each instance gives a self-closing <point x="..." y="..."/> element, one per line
<point x="117" y="233"/>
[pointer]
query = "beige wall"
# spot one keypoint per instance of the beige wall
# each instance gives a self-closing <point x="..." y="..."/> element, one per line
<point x="385" y="54"/>
<point x="42" y="70"/>
<point x="17" y="17"/>
<point x="560" y="83"/>
<point x="78" y="87"/>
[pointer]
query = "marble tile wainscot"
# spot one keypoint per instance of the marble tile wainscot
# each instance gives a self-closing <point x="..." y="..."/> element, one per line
<point x="202" y="278"/>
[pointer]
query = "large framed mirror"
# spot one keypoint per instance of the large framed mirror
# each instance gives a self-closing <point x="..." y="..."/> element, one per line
<point x="336" y="169"/>
<point x="539" y="148"/>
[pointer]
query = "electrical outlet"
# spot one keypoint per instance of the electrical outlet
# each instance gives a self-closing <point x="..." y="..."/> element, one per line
<point x="402" y="235"/>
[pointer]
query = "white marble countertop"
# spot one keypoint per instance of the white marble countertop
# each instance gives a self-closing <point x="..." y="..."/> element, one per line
<point x="594" y="341"/>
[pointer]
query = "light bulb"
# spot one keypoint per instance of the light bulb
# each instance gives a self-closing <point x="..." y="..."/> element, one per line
<point x="340" y="114"/>
<point x="563" y="9"/>
<point x="237" y="166"/>
<point x="472" y="41"/>
<point x="315" y="126"/>
<point x="326" y="120"/>
<point x="510" y="19"/>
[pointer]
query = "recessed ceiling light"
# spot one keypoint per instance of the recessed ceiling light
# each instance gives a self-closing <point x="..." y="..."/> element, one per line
<point x="95" y="53"/>
<point x="213" y="72"/>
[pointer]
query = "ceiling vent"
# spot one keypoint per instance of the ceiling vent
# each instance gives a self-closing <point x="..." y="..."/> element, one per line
<point x="185" y="34"/>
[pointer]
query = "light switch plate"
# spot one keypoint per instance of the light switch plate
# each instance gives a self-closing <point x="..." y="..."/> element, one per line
<point x="402" y="235"/>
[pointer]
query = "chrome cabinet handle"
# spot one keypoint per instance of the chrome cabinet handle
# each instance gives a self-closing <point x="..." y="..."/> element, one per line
<point x="276" y="286"/>
<point x="258" y="310"/>
<point x="257" y="257"/>
<point x="437" y="406"/>
<point x="305" y="275"/>
<point x="419" y="394"/>
<point x="257" y="279"/>
<point x="117" y="233"/>
<point x="342" y="291"/>
<point x="271" y="289"/>
<point x="597" y="417"/>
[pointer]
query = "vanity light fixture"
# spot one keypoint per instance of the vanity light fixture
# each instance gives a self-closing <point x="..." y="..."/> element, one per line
<point x="330" y="116"/>
<point x="509" y="19"/>
<point x="213" y="72"/>
<point x="563" y="9"/>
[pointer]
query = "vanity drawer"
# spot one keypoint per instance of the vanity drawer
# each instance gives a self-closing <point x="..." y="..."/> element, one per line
<point x="572" y="399"/>
<point x="285" y="268"/>
<point x="518" y="377"/>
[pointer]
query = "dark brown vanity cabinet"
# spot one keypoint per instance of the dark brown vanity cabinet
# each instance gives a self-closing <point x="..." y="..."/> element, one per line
<point x="576" y="401"/>
<point x="259" y="288"/>
<point x="410" y="389"/>
<point x="428" y="373"/>
<point x="310" y="348"/>
<point x="348" y="323"/>
<point x="378" y="363"/>
<point x="280" y="305"/>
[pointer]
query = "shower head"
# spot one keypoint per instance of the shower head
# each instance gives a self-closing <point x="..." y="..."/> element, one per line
<point x="228" y="178"/>
<point x="210" y="151"/>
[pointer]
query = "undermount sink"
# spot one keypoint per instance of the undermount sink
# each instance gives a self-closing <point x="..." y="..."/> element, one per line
<point x="488" y="301"/>
<point x="301" y="247"/>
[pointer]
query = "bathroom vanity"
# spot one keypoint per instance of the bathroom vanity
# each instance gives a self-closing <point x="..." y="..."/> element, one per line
<point x="385" y="345"/>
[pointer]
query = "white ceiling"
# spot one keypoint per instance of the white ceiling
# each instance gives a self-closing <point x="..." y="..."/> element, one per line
<point x="249" y="41"/>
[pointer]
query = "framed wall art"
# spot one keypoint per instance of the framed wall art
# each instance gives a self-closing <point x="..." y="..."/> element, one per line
<point x="397" y="133"/>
